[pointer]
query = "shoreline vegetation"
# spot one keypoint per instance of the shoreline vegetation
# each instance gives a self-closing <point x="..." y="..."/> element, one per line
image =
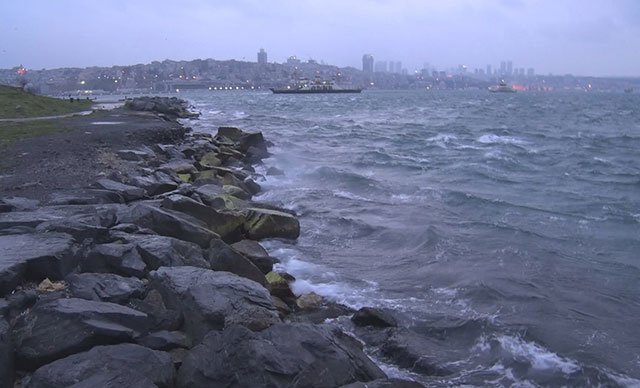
<point x="16" y="103"/>
<point x="132" y="258"/>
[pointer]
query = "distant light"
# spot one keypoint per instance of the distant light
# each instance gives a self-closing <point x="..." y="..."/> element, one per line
<point x="115" y="80"/>
<point x="209" y="87"/>
<point x="237" y="88"/>
<point x="177" y="90"/>
<point x="81" y="82"/>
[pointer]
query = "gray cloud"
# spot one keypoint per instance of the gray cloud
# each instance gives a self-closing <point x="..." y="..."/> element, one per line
<point x="553" y="36"/>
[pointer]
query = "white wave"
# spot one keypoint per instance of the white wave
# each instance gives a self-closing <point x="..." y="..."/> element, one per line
<point x="239" y="114"/>
<point x="348" y="195"/>
<point x="493" y="139"/>
<point x="539" y="357"/>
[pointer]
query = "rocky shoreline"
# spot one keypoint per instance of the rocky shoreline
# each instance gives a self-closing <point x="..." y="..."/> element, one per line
<point x="153" y="275"/>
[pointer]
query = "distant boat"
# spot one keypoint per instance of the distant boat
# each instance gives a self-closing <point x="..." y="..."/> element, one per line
<point x="306" y="86"/>
<point x="628" y="90"/>
<point x="502" y="87"/>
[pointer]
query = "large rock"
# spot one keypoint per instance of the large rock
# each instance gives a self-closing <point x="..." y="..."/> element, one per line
<point x="165" y="340"/>
<point x="256" y="253"/>
<point x="160" y="317"/>
<point x="35" y="257"/>
<point x="264" y="223"/>
<point x="284" y="355"/>
<point x="369" y="316"/>
<point x="124" y="365"/>
<point x="57" y="328"/>
<point x="122" y="259"/>
<point x="84" y="197"/>
<point x="214" y="300"/>
<point x="168" y="223"/>
<point x="105" y="287"/>
<point x="20" y="203"/>
<point x="128" y="192"/>
<point x="79" y="227"/>
<point x="228" y="224"/>
<point x="157" y="183"/>
<point x="162" y="251"/>
<point x="224" y="258"/>
<point x="6" y="356"/>
<point x="413" y="351"/>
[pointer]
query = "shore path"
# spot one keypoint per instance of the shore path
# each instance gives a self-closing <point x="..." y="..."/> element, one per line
<point x="24" y="119"/>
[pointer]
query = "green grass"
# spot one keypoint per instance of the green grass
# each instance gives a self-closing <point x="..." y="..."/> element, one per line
<point x="10" y="132"/>
<point x="16" y="103"/>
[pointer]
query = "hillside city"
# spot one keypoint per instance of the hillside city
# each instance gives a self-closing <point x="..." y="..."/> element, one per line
<point x="212" y="74"/>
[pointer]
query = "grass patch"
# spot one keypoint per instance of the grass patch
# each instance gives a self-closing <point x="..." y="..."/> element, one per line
<point x="10" y="132"/>
<point x="16" y="103"/>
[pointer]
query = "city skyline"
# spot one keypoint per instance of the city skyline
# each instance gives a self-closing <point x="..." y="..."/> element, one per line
<point x="548" y="36"/>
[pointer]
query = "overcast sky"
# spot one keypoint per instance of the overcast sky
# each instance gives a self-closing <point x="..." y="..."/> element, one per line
<point x="582" y="37"/>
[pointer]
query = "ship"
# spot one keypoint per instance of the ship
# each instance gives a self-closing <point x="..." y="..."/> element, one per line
<point x="306" y="86"/>
<point x="502" y="87"/>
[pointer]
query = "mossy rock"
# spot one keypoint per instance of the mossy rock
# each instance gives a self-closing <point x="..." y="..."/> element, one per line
<point x="236" y="192"/>
<point x="185" y="177"/>
<point x="274" y="278"/>
<point x="233" y="203"/>
<point x="265" y="223"/>
<point x="210" y="159"/>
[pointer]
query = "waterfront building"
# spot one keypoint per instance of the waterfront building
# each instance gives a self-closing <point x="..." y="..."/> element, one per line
<point x="367" y="63"/>
<point x="262" y="57"/>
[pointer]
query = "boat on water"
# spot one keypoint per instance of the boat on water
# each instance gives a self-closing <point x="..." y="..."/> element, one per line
<point x="502" y="87"/>
<point x="306" y="86"/>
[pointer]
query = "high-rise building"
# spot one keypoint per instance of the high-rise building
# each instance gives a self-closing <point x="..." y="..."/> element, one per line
<point x="381" y="66"/>
<point x="530" y="72"/>
<point x="398" y="67"/>
<point x="489" y="70"/>
<point x="367" y="63"/>
<point x="509" y="67"/>
<point x="503" y="67"/>
<point x="262" y="57"/>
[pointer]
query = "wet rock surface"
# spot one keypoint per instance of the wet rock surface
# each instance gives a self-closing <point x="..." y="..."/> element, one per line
<point x="106" y="287"/>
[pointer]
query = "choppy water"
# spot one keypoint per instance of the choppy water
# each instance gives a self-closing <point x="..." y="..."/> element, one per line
<point x="505" y="226"/>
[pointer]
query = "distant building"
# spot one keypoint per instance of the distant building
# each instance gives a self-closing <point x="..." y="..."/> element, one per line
<point x="262" y="57"/>
<point x="293" y="60"/>
<point x="503" y="67"/>
<point x="367" y="63"/>
<point x="530" y="72"/>
<point x="381" y="67"/>
<point x="489" y="70"/>
<point x="509" y="67"/>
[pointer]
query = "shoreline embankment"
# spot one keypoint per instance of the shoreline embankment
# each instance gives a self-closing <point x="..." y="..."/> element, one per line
<point x="139" y="264"/>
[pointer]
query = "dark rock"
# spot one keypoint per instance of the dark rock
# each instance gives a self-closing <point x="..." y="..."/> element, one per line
<point x="85" y="197"/>
<point x="274" y="171"/>
<point x="284" y="355"/>
<point x="6" y="356"/>
<point x="236" y="191"/>
<point x="4" y="307"/>
<point x="414" y="352"/>
<point x="179" y="167"/>
<point x="124" y="365"/>
<point x="157" y="183"/>
<point x="28" y="218"/>
<point x="76" y="227"/>
<point x="17" y="230"/>
<point x="232" y="134"/>
<point x="228" y="224"/>
<point x="263" y="223"/>
<point x="171" y="107"/>
<point x="385" y="383"/>
<point x="279" y="286"/>
<point x="129" y="193"/>
<point x="128" y="229"/>
<point x="165" y="340"/>
<point x="105" y="287"/>
<point x="122" y="259"/>
<point x="58" y="328"/>
<point x="162" y="251"/>
<point x="35" y="257"/>
<point x="369" y="316"/>
<point x="136" y="155"/>
<point x="224" y="258"/>
<point x="20" y="203"/>
<point x="214" y="300"/>
<point x="5" y="207"/>
<point x="21" y="300"/>
<point x="169" y="223"/>
<point x="160" y="317"/>
<point x="255" y="154"/>
<point x="310" y="301"/>
<point x="257" y="254"/>
<point x="210" y="194"/>
<point x="252" y="186"/>
<point x="329" y="310"/>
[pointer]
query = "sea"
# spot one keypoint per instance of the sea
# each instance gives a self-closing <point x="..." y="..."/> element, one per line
<point x="505" y="228"/>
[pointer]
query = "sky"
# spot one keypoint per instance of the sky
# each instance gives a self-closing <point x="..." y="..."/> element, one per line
<point x="581" y="37"/>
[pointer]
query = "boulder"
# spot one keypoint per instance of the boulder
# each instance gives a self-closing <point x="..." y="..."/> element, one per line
<point x="157" y="183"/>
<point x="264" y="223"/>
<point x="6" y="356"/>
<point x="236" y="192"/>
<point x="210" y="160"/>
<point x="328" y="310"/>
<point x="214" y="300"/>
<point x="129" y="193"/>
<point x="136" y="155"/>
<point x="123" y="365"/>
<point x="160" y="317"/>
<point x="179" y="167"/>
<point x="210" y="194"/>
<point x="85" y="197"/>
<point x="105" y="287"/>
<point x="228" y="224"/>
<point x="77" y="226"/>
<point x="369" y="316"/>
<point x="122" y="259"/>
<point x="310" y="301"/>
<point x="385" y="383"/>
<point x="20" y="203"/>
<point x="279" y="286"/>
<point x="168" y="223"/>
<point x="413" y="351"/>
<point x="165" y="340"/>
<point x="283" y="355"/>
<point x="224" y="258"/>
<point x="162" y="251"/>
<point x="257" y="254"/>
<point x="57" y="328"/>
<point x="35" y="257"/>
<point x="274" y="171"/>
